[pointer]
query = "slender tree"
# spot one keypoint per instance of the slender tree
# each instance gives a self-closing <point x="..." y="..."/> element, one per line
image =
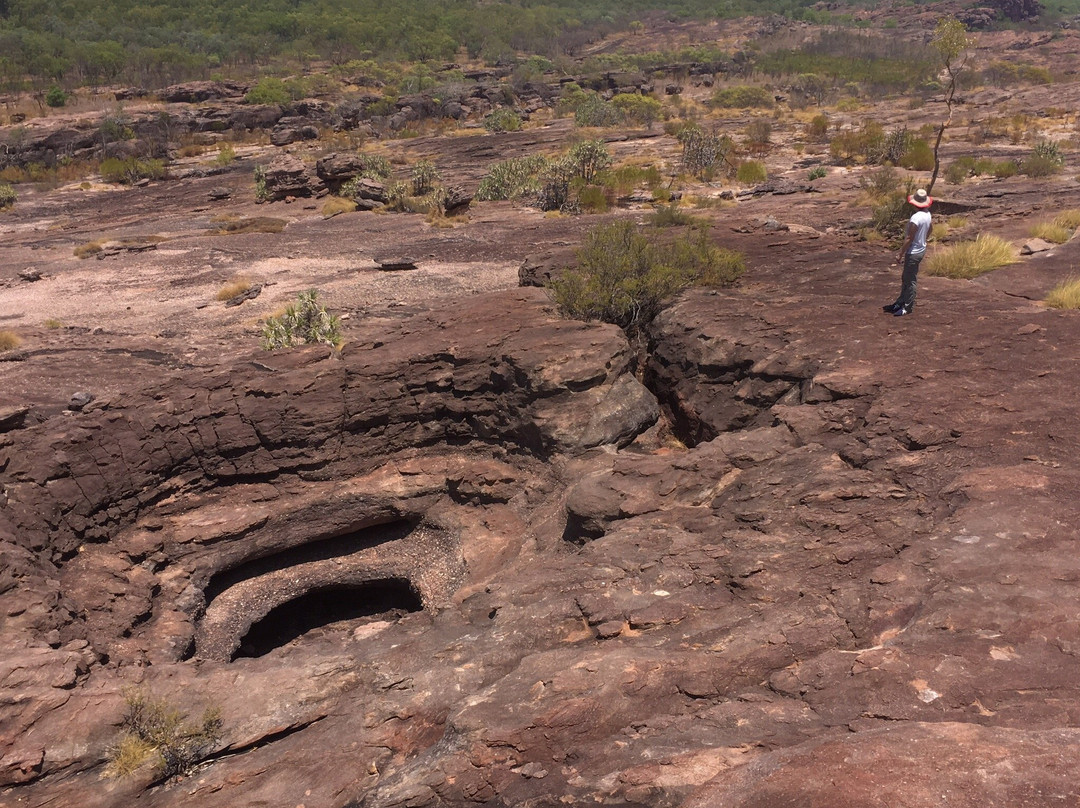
<point x="951" y="42"/>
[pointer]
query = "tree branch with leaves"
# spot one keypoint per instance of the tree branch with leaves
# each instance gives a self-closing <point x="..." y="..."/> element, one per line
<point x="952" y="42"/>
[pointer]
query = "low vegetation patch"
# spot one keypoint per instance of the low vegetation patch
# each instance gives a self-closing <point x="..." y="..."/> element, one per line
<point x="751" y="172"/>
<point x="237" y="286"/>
<point x="1066" y="295"/>
<point x="969" y="259"/>
<point x="130" y="170"/>
<point x="8" y="197"/>
<point x="502" y="119"/>
<point x="155" y="730"/>
<point x="335" y="205"/>
<point x="1049" y="231"/>
<point x="88" y="249"/>
<point x="671" y="216"/>
<point x="624" y="276"/>
<point x="1068" y="218"/>
<point x="9" y="340"/>
<point x="743" y="96"/>
<point x="302" y="322"/>
<point x="258" y="224"/>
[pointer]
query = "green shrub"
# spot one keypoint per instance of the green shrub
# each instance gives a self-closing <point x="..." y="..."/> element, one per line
<point x="624" y="277"/>
<point x="302" y="322"/>
<point x="502" y="119"/>
<point x="889" y="215"/>
<point x="261" y="192"/>
<point x="8" y="196"/>
<point x="704" y="154"/>
<point x="512" y="179"/>
<point x="130" y="170"/>
<point x="268" y="91"/>
<point x="226" y="155"/>
<point x="816" y="173"/>
<point x="156" y="728"/>
<point x="818" y="128"/>
<point x="588" y="158"/>
<point x="743" y="96"/>
<point x="424" y="177"/>
<point x="758" y="135"/>
<point x="55" y="96"/>
<point x="1045" y="159"/>
<point x="637" y="109"/>
<point x="1006" y="169"/>
<point x="919" y="156"/>
<point x="864" y="143"/>
<point x="592" y="199"/>
<point x="751" y="172"/>
<point x="595" y="111"/>
<point x="671" y="216"/>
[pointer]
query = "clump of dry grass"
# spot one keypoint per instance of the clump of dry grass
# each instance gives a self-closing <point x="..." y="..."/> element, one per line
<point x="258" y="224"/>
<point x="969" y="259"/>
<point x="336" y="205"/>
<point x="1069" y="219"/>
<point x="1066" y="295"/>
<point x="89" y="248"/>
<point x="237" y="286"/>
<point x="53" y="323"/>
<point x="9" y="340"/>
<point x="1050" y="231"/>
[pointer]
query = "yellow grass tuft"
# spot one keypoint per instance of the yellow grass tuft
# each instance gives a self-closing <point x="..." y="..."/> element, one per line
<point x="1069" y="219"/>
<point x="237" y="286"/>
<point x="88" y="249"/>
<point x="53" y="323"/>
<point x="1066" y="295"/>
<point x="9" y="340"/>
<point x="259" y="224"/>
<point x="128" y="755"/>
<point x="337" y="204"/>
<point x="969" y="259"/>
<point x="1050" y="231"/>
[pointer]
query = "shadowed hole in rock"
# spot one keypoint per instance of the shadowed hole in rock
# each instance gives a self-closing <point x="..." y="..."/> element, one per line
<point x="335" y="608"/>
<point x="318" y="550"/>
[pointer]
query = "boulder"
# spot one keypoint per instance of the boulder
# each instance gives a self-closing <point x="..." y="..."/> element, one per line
<point x="539" y="268"/>
<point x="287" y="176"/>
<point x="192" y="92"/>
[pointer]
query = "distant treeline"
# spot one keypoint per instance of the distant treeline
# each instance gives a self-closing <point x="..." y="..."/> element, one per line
<point x="156" y="42"/>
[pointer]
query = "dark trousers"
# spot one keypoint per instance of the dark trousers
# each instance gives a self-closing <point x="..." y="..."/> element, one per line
<point x="909" y="280"/>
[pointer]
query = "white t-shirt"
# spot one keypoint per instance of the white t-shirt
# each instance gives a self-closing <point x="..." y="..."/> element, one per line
<point x="920" y="220"/>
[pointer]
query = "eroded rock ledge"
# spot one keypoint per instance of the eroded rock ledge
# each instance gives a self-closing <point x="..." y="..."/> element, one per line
<point x="816" y="599"/>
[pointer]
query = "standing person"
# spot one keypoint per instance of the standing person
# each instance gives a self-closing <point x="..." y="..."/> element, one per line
<point x="919" y="227"/>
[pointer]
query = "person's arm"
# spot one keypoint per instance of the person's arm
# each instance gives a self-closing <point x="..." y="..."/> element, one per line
<point x="909" y="236"/>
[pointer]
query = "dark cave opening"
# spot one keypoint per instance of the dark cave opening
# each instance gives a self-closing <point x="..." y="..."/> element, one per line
<point x="389" y="598"/>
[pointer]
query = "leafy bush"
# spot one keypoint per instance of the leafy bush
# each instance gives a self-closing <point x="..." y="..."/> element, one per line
<point x="130" y="170"/>
<point x="261" y="192"/>
<point x="637" y="109"/>
<point x="55" y="96"/>
<point x="758" y="136"/>
<point x="1045" y="159"/>
<point x="302" y="322"/>
<point x="624" y="276"/>
<point x="595" y="111"/>
<point x="155" y="727"/>
<point x="864" y="143"/>
<point x="1006" y="169"/>
<point x="743" y="96"/>
<point x="705" y="154"/>
<point x="889" y="215"/>
<point x="512" y="179"/>
<point x="592" y="199"/>
<point x="816" y="173"/>
<point x="588" y="158"/>
<point x="817" y="129"/>
<point x="969" y="259"/>
<point x="8" y="197"/>
<point x="226" y="155"/>
<point x="424" y="177"/>
<point x="1066" y="295"/>
<point x="670" y="216"/>
<point x="268" y="91"/>
<point x="502" y="119"/>
<point x="751" y="172"/>
<point x="919" y="156"/>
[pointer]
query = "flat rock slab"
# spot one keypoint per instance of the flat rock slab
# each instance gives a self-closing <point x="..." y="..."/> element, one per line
<point x="395" y="264"/>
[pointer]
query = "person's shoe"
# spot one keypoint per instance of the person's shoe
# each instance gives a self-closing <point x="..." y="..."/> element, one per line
<point x="900" y="311"/>
<point x="890" y="308"/>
